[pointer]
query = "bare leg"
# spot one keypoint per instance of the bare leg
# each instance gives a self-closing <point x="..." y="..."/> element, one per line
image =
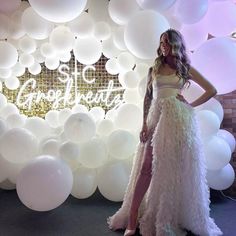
<point x="141" y="186"/>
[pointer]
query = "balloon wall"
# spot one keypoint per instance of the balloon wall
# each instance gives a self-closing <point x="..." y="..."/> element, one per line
<point x="76" y="150"/>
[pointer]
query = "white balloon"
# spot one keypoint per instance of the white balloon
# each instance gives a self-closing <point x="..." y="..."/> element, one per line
<point x="38" y="126"/>
<point x="121" y="144"/>
<point x="130" y="79"/>
<point x="191" y="11"/>
<point x="82" y="26"/>
<point x="52" y="118"/>
<point x="157" y="5"/>
<point x="214" y="106"/>
<point x="109" y="49"/>
<point x="129" y="117"/>
<point x="27" y="44"/>
<point x="125" y="61"/>
<point x="102" y="30"/>
<point x="141" y="69"/>
<point x="8" y="55"/>
<point x="118" y="38"/>
<point x="5" y="73"/>
<point x="58" y="11"/>
<point x="64" y="57"/>
<point x="48" y="173"/>
<point x="85" y="183"/>
<point x="34" y="25"/>
<point x="24" y="143"/>
<point x="50" y="147"/>
<point x="209" y="123"/>
<point x="112" y="181"/>
<point x="79" y="127"/>
<point x="38" y="56"/>
<point x="62" y="39"/>
<point x="105" y="127"/>
<point x="79" y="108"/>
<point x="47" y="50"/>
<point x="97" y="113"/>
<point x="9" y="109"/>
<point x="3" y="101"/>
<point x="228" y="137"/>
<point x="9" y="6"/>
<point x="7" y="185"/>
<point x="15" y="121"/>
<point x="52" y="63"/>
<point x="63" y="115"/>
<point x="3" y="127"/>
<point x="26" y="60"/>
<point x="69" y="151"/>
<point x="218" y="153"/>
<point x="112" y="66"/>
<point x="35" y="69"/>
<point x="93" y="154"/>
<point x="121" y="11"/>
<point x="4" y="26"/>
<point x="12" y="83"/>
<point x="221" y="179"/>
<point x="87" y="50"/>
<point x="192" y="92"/>
<point x="143" y="31"/>
<point x="131" y="96"/>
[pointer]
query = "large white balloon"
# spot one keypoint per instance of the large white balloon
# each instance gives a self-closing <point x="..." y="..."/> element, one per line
<point x="128" y="117"/>
<point x="15" y="121"/>
<point x="62" y="39"/>
<point x="121" y="144"/>
<point x="9" y="109"/>
<point x="93" y="154"/>
<point x="36" y="26"/>
<point x="87" y="50"/>
<point x="79" y="127"/>
<point x="44" y="183"/>
<point x="85" y="182"/>
<point x="217" y="153"/>
<point x="8" y="55"/>
<point x="24" y="142"/>
<point x="212" y="53"/>
<point x="157" y="5"/>
<point x="191" y="11"/>
<point x="121" y="11"/>
<point x="112" y="181"/>
<point x="143" y="31"/>
<point x="218" y="14"/>
<point x="58" y="11"/>
<point x="102" y="30"/>
<point x="82" y="26"/>
<point x="221" y="179"/>
<point x="228" y="137"/>
<point x="9" y="6"/>
<point x="209" y="122"/>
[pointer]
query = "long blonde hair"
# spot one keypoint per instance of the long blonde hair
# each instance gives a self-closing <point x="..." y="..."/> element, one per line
<point x="175" y="39"/>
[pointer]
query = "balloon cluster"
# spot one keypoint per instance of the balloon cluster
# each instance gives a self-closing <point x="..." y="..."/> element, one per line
<point x="76" y="150"/>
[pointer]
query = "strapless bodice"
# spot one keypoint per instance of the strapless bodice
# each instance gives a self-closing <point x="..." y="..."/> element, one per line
<point x="166" y="86"/>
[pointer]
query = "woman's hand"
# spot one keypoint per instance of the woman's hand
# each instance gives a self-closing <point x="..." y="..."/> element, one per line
<point x="181" y="98"/>
<point x="144" y="133"/>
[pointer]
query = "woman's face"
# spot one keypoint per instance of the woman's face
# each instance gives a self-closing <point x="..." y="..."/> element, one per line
<point x="164" y="45"/>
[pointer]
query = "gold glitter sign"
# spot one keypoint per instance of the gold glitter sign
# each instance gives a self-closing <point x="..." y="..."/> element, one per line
<point x="72" y="83"/>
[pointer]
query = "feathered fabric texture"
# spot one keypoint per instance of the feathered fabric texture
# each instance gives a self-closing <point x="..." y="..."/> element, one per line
<point x="178" y="195"/>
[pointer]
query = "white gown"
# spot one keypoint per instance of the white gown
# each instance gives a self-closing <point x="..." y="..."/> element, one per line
<point x="178" y="194"/>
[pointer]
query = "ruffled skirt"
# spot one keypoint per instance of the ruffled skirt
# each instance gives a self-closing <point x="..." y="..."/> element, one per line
<point x="178" y="194"/>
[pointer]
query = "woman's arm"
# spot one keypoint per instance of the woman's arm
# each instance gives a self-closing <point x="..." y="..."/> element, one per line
<point x="210" y="90"/>
<point x="147" y="98"/>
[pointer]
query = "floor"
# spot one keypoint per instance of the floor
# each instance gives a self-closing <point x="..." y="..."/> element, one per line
<point x="86" y="217"/>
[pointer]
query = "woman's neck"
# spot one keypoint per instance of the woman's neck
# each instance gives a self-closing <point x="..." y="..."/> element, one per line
<point x="170" y="61"/>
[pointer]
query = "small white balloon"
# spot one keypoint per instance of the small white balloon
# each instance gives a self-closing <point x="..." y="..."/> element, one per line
<point x="3" y="101"/>
<point x="52" y="63"/>
<point x="62" y="39"/>
<point x="221" y="179"/>
<point x="131" y="79"/>
<point x="27" y="44"/>
<point x="5" y="73"/>
<point x="218" y="153"/>
<point x="24" y="142"/>
<point x="63" y="115"/>
<point x="105" y="127"/>
<point x="109" y="49"/>
<point x="93" y="154"/>
<point x="97" y="113"/>
<point x="15" y="121"/>
<point x="26" y="60"/>
<point x="48" y="173"/>
<point x="228" y="137"/>
<point x="8" y="55"/>
<point x="79" y="127"/>
<point x="126" y="61"/>
<point x="52" y="118"/>
<point x="12" y="83"/>
<point x="102" y="30"/>
<point x="121" y="144"/>
<point x="87" y="50"/>
<point x="118" y="38"/>
<point x="79" y="108"/>
<point x="50" y="147"/>
<point x="112" y="66"/>
<point x="47" y="50"/>
<point x="9" y="109"/>
<point x="35" y="69"/>
<point x="85" y="183"/>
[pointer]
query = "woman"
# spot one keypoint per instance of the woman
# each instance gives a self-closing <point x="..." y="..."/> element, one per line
<point x="167" y="192"/>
